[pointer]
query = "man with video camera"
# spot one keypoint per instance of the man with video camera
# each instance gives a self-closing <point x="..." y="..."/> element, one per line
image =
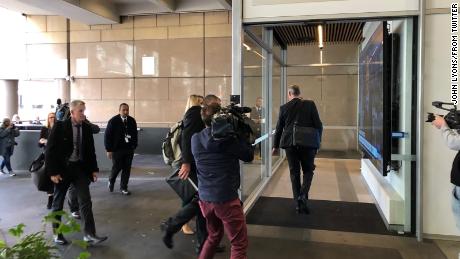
<point x="452" y="139"/>
<point x="218" y="169"/>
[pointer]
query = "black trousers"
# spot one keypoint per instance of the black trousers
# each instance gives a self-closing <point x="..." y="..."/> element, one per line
<point x="79" y="179"/>
<point x="301" y="157"/>
<point x="184" y="215"/>
<point x="72" y="199"/>
<point x="121" y="161"/>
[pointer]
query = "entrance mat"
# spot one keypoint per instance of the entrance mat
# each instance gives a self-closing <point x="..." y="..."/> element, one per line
<point x="324" y="215"/>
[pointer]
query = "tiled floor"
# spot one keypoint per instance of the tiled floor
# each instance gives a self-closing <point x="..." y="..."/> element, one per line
<point x="334" y="179"/>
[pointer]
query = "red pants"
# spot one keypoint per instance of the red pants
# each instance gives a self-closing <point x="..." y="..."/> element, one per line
<point x="226" y="216"/>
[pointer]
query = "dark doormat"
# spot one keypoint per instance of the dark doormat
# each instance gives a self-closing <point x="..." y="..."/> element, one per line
<point x="324" y="215"/>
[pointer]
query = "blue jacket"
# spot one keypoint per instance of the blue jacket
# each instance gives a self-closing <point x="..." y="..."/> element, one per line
<point x="218" y="166"/>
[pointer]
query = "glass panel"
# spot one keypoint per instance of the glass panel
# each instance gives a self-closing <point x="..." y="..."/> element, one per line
<point x="253" y="62"/>
<point x="276" y="101"/>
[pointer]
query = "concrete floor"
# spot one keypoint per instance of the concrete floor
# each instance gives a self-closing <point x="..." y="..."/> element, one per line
<point x="132" y="224"/>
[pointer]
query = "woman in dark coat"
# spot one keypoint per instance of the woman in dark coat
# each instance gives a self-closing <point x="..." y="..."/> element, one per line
<point x="44" y="133"/>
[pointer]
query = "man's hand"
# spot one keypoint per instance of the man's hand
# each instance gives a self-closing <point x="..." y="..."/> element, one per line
<point x="184" y="171"/>
<point x="439" y="122"/>
<point x="109" y="155"/>
<point x="94" y="176"/>
<point x="275" y="151"/>
<point x="56" y="178"/>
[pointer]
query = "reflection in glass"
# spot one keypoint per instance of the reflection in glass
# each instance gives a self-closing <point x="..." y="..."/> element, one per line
<point x="253" y="61"/>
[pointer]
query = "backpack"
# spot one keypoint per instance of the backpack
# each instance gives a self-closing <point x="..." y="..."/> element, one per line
<point x="171" y="144"/>
<point x="62" y="112"/>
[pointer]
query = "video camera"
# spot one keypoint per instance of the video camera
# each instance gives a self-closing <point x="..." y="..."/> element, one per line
<point x="232" y="121"/>
<point x="452" y="118"/>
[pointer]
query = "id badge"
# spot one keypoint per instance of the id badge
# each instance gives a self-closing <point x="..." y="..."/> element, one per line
<point x="126" y="139"/>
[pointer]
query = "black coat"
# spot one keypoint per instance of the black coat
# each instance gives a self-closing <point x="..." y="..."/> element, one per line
<point x="192" y="124"/>
<point x="307" y="116"/>
<point x="60" y="147"/>
<point x="44" y="133"/>
<point x="114" y="138"/>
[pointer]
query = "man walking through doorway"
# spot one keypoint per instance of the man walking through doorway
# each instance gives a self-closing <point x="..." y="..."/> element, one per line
<point x="303" y="113"/>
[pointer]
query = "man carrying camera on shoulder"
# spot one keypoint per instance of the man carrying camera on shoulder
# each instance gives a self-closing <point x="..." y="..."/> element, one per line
<point x="218" y="170"/>
<point x="452" y="139"/>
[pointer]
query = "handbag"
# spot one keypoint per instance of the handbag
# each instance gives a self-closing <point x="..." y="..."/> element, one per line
<point x="305" y="137"/>
<point x="300" y="136"/>
<point x="39" y="177"/>
<point x="185" y="189"/>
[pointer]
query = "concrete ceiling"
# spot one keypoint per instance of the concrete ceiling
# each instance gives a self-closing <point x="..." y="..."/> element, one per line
<point x="109" y="11"/>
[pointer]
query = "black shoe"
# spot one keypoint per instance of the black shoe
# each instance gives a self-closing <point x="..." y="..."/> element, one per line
<point x="167" y="236"/>
<point x="50" y="202"/>
<point x="110" y="186"/>
<point x="125" y="192"/>
<point x="75" y="215"/>
<point x="60" y="240"/>
<point x="93" y="240"/>
<point x="302" y="205"/>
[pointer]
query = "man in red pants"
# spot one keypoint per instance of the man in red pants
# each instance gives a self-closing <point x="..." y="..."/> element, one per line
<point x="218" y="170"/>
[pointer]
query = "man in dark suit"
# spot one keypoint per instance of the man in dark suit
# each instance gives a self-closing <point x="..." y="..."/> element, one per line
<point x="71" y="159"/>
<point x="304" y="113"/>
<point x="257" y="115"/>
<point x="120" y="142"/>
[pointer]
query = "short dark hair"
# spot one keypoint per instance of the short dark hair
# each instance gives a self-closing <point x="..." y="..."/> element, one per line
<point x="210" y="98"/>
<point x="123" y="104"/>
<point x="294" y="90"/>
<point x="208" y="111"/>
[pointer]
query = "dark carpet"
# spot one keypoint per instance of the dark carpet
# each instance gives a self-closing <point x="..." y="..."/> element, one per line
<point x="325" y="215"/>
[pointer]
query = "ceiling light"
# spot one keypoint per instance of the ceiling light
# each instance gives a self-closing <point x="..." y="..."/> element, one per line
<point x="320" y="36"/>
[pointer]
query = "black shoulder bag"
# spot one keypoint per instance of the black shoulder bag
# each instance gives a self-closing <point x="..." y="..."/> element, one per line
<point x="303" y="136"/>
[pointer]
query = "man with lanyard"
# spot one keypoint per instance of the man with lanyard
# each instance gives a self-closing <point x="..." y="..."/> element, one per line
<point x="120" y="142"/>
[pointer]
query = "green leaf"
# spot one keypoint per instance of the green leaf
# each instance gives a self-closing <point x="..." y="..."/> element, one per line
<point x="17" y="231"/>
<point x="2" y="244"/>
<point x="84" y="255"/>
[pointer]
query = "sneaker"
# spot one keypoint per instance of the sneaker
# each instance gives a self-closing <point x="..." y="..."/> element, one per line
<point x="76" y="215"/>
<point x="110" y="186"/>
<point x="93" y="239"/>
<point x="60" y="240"/>
<point x="11" y="173"/>
<point x="2" y="172"/>
<point x="125" y="192"/>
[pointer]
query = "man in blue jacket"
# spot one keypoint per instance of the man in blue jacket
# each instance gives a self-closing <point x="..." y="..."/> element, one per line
<point x="218" y="168"/>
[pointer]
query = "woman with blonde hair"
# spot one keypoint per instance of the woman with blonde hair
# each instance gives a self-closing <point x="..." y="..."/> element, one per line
<point x="44" y="133"/>
<point x="192" y="124"/>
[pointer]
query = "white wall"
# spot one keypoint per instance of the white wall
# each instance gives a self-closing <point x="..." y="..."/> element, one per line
<point x="284" y="10"/>
<point x="437" y="159"/>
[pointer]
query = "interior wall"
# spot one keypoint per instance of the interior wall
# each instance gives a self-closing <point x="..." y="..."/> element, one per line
<point x="438" y="218"/>
<point x="192" y="55"/>
<point x="334" y="89"/>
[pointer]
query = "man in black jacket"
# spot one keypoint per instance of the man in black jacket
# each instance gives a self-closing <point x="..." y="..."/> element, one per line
<point x="120" y="142"/>
<point x="304" y="113"/>
<point x="71" y="159"/>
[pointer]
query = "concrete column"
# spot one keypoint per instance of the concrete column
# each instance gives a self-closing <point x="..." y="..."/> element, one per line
<point x="63" y="90"/>
<point x="8" y="98"/>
